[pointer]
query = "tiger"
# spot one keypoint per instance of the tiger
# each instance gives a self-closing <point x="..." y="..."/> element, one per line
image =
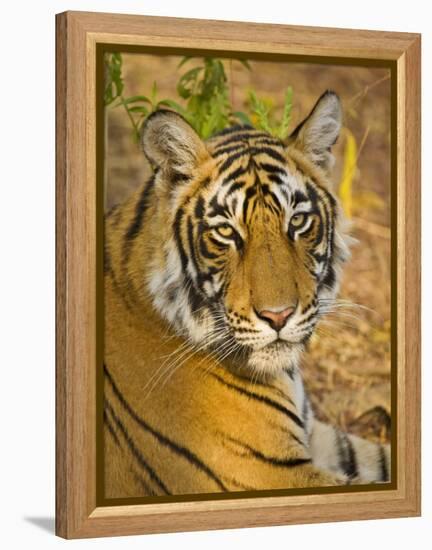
<point x="217" y="271"/>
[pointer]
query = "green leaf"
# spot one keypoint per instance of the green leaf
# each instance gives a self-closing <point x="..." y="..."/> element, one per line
<point x="116" y="56"/>
<point x="113" y="77"/>
<point x="135" y="99"/>
<point x="283" y="129"/>
<point x="261" y="111"/>
<point x="243" y="118"/>
<point x="173" y="105"/>
<point x="186" y="84"/>
<point x="108" y="96"/>
<point x="214" y="119"/>
<point x="245" y="63"/>
<point x="184" y="60"/>
<point x="205" y="89"/>
<point x="138" y="109"/>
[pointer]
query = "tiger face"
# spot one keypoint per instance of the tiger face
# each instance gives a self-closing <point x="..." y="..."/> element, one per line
<point x="250" y="234"/>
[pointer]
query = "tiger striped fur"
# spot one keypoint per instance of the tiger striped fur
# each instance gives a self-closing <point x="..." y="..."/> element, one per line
<point x="216" y="272"/>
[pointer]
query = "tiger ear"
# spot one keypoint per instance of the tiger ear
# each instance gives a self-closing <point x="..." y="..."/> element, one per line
<point x="171" y="144"/>
<point x="320" y="130"/>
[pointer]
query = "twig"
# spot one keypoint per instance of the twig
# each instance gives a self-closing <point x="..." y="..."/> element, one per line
<point x="360" y="149"/>
<point x="134" y="125"/>
<point x="360" y="95"/>
<point x="362" y="143"/>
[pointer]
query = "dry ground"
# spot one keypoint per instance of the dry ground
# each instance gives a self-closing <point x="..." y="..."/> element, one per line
<point x="347" y="367"/>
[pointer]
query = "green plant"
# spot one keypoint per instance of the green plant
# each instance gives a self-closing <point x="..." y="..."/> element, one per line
<point x="137" y="107"/>
<point x="204" y="92"/>
<point x="265" y="119"/>
<point x="113" y="77"/>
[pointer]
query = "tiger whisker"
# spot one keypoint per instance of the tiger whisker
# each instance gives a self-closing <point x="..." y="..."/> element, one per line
<point x="180" y="361"/>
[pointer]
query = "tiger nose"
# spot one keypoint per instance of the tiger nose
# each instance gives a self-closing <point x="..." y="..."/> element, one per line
<point x="276" y="317"/>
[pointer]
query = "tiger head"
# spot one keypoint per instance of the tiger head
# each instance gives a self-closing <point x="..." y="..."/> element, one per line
<point x="247" y="237"/>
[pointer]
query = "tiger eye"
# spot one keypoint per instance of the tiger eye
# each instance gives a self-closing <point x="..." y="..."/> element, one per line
<point x="298" y="220"/>
<point x="225" y="231"/>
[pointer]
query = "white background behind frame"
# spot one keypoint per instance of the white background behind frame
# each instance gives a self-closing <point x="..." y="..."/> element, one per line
<point x="27" y="99"/>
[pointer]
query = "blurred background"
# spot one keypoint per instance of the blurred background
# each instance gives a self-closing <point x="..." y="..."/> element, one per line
<point x="347" y="366"/>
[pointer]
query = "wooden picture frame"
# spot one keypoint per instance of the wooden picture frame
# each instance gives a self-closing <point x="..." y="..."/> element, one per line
<point x="78" y="36"/>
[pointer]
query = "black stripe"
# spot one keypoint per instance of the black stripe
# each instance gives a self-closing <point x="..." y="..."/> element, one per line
<point x="312" y="194"/>
<point x="238" y="241"/>
<point x="267" y="141"/>
<point x="320" y="233"/>
<point x="235" y="128"/>
<point x="195" y="300"/>
<point x="114" y="216"/>
<point x="107" y="259"/>
<point x="328" y="205"/>
<point x="140" y="209"/>
<point x="270" y="152"/>
<point x="307" y="319"/>
<point x="383" y="464"/>
<point x="318" y="257"/>
<point x="290" y="372"/>
<point x="172" y="445"/>
<point x="218" y="244"/>
<point x="273" y="197"/>
<point x="239" y="484"/>
<point x="275" y="178"/>
<point x="329" y="279"/>
<point x="352" y="469"/>
<point x="261" y="399"/>
<point x="298" y="197"/>
<point x="305" y="408"/>
<point x="221" y="245"/>
<point x="311" y="304"/>
<point x="205" y="182"/>
<point x="139" y="479"/>
<point x="327" y="210"/>
<point x="110" y="427"/>
<point x="204" y="251"/>
<point x="243" y="140"/>
<point x="177" y="235"/>
<point x="233" y="175"/>
<point x="199" y="208"/>
<point x="216" y="209"/>
<point x="244" y="136"/>
<point x="229" y="149"/>
<point x="136" y="225"/>
<point x="347" y="455"/>
<point x="230" y="160"/>
<point x="135" y="451"/>
<point x="111" y="211"/>
<point x="273" y="460"/>
<point x="272" y="168"/>
<point x="251" y="192"/>
<point x="204" y="278"/>
<point x="191" y="243"/>
<point x="234" y="187"/>
<point x="297" y="439"/>
<point x="262" y="385"/>
<point x="177" y="177"/>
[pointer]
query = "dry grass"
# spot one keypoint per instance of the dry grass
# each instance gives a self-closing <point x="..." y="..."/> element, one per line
<point x="347" y="367"/>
